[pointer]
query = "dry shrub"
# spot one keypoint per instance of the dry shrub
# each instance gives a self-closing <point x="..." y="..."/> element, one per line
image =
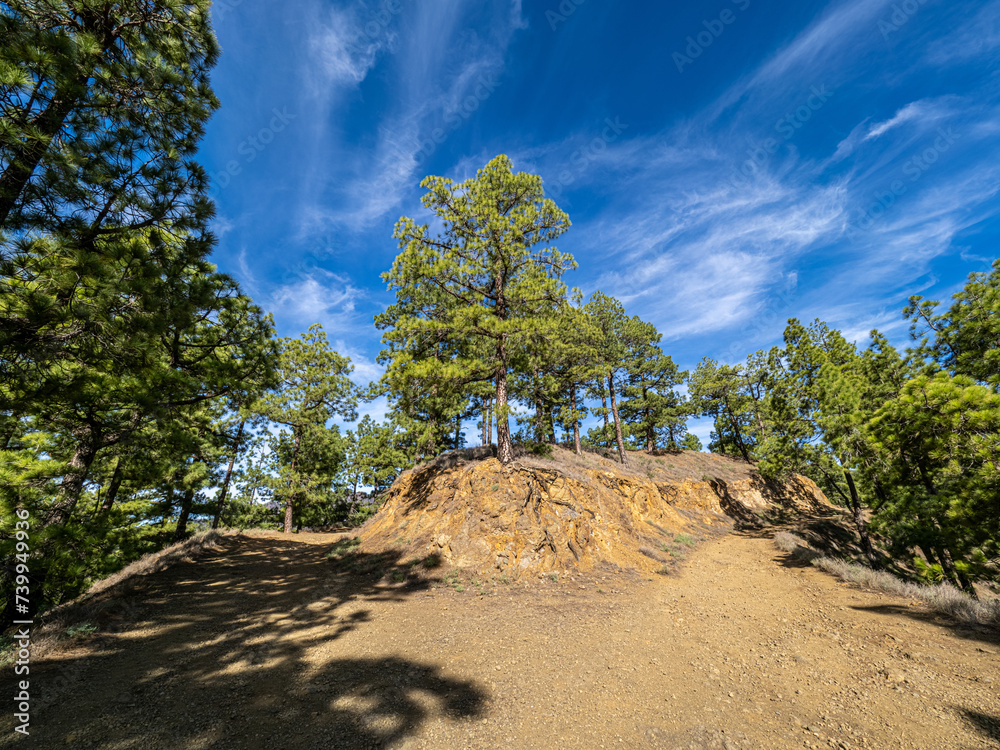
<point x="941" y="597"/>
<point x="652" y="554"/>
<point x="787" y="542"/>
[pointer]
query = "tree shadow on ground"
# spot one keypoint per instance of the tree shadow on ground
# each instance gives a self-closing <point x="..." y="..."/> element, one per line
<point x="923" y="614"/>
<point x="744" y="518"/>
<point x="988" y="726"/>
<point x="236" y="651"/>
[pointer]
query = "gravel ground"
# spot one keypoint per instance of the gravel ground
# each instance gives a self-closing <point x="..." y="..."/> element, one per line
<point x="267" y="644"/>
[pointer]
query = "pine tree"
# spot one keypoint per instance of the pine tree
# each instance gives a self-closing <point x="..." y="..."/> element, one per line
<point x="965" y="340"/>
<point x="481" y="288"/>
<point x="715" y="390"/>
<point x="652" y="405"/>
<point x="313" y="387"/>
<point x="102" y="105"/>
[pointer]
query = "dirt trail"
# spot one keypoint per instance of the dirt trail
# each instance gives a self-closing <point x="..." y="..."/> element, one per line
<point x="266" y="644"/>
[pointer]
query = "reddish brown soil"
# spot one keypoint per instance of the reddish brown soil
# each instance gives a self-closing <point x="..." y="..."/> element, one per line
<point x="267" y="644"/>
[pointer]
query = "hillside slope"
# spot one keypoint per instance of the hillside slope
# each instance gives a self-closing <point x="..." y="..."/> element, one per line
<point x="569" y="512"/>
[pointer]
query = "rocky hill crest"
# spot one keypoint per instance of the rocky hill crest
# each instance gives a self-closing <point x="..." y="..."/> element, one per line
<point x="572" y="513"/>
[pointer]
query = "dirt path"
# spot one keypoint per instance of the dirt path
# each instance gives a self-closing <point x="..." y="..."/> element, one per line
<point x="266" y="644"/>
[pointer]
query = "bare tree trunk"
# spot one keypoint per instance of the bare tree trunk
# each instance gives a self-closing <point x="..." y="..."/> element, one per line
<point x="650" y="432"/>
<point x="458" y="432"/>
<point x="87" y="445"/>
<point x="505" y="448"/>
<point x="618" y="424"/>
<point x="539" y="437"/>
<point x="116" y="481"/>
<point x="576" y="422"/>
<point x="958" y="578"/>
<point x="489" y="422"/>
<point x="182" y="521"/>
<point x="859" y="523"/>
<point x="486" y="419"/>
<point x="607" y="424"/>
<point x="289" y="501"/>
<point x="737" y="433"/>
<point x="25" y="160"/>
<point x="229" y="473"/>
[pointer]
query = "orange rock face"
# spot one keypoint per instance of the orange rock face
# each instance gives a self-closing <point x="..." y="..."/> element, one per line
<point x="537" y="516"/>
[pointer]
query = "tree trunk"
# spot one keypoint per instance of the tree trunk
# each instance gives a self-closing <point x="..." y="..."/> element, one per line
<point x="291" y="491"/>
<point x="738" y="434"/>
<point x="486" y="420"/>
<point x="116" y="482"/>
<point x="505" y="449"/>
<point x="618" y="424"/>
<point x="229" y="473"/>
<point x="966" y="584"/>
<point x="958" y="578"/>
<point x="576" y="422"/>
<point x="25" y="160"/>
<point x="650" y="432"/>
<point x="607" y="424"/>
<point x="354" y="497"/>
<point x="552" y="427"/>
<point x="88" y="443"/>
<point x="489" y="422"/>
<point x="859" y="523"/>
<point x="182" y="521"/>
<point x="458" y="431"/>
<point x="946" y="565"/>
<point x="539" y="437"/>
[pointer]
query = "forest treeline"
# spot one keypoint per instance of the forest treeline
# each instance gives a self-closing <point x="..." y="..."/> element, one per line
<point x="143" y="395"/>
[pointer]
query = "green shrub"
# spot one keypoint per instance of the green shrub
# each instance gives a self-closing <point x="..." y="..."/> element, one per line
<point x="343" y="547"/>
<point x="543" y="450"/>
<point x="81" y="630"/>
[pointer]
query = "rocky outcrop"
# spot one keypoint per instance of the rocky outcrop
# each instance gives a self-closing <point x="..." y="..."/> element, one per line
<point x="536" y="516"/>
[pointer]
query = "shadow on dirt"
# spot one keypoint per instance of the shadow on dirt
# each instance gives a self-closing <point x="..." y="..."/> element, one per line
<point x="965" y="630"/>
<point x="230" y="652"/>
<point x="988" y="726"/>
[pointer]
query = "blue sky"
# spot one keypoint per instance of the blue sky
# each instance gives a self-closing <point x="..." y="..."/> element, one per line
<point x="726" y="165"/>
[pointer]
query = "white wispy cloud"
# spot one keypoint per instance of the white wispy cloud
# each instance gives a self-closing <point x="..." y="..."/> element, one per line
<point x="912" y="111"/>
<point x="442" y="74"/>
<point x="705" y="252"/>
<point x="317" y="296"/>
<point x="344" y="44"/>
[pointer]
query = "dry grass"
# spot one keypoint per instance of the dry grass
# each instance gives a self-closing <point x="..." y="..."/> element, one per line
<point x="659" y="466"/>
<point x="653" y="554"/>
<point x="184" y="551"/>
<point x="942" y="597"/>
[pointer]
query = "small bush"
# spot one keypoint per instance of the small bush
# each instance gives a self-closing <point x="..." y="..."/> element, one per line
<point x="685" y="539"/>
<point x="786" y="542"/>
<point x="343" y="547"/>
<point x="652" y="554"/>
<point x="542" y="450"/>
<point x="361" y="514"/>
<point x="81" y="630"/>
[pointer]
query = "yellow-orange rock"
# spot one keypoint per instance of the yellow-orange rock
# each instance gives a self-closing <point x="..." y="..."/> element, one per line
<point x="565" y="513"/>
